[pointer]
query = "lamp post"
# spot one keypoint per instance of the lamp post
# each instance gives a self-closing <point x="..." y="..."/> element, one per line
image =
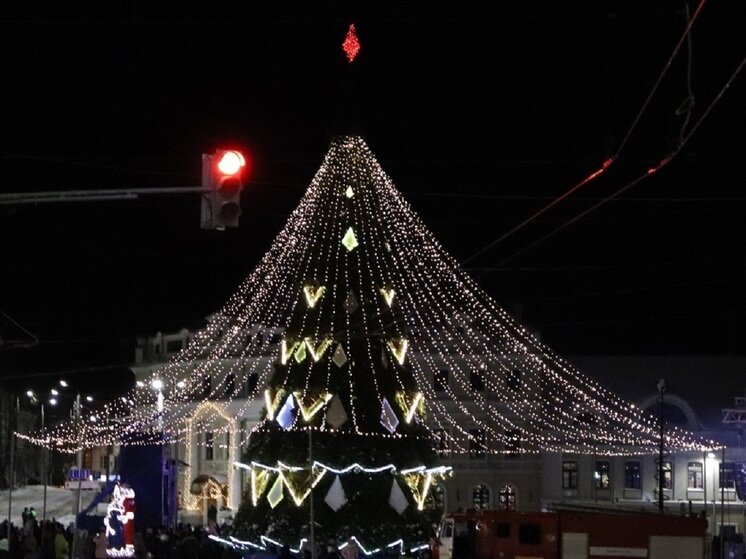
<point x="45" y="453"/>
<point x="661" y="389"/>
<point x="11" y="478"/>
<point x="77" y="416"/>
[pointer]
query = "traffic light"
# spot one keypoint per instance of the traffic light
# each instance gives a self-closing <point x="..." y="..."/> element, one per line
<point x="222" y="181"/>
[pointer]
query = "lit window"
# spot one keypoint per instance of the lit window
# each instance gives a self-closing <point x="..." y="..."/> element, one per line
<point x="601" y="474"/>
<point x="694" y="477"/>
<point x="481" y="497"/>
<point x="667" y="474"/>
<point x="507" y="498"/>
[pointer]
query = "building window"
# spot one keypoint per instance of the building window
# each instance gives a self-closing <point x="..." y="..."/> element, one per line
<point x="441" y="439"/>
<point x="502" y="530"/>
<point x="570" y="474"/>
<point x="601" y="475"/>
<point x="667" y="474"/>
<point x="209" y="445"/>
<point x="104" y="462"/>
<point x="529" y="534"/>
<point x="513" y="443"/>
<point x="440" y="381"/>
<point x="507" y="497"/>
<point x="173" y="346"/>
<point x="727" y="475"/>
<point x="513" y="380"/>
<point x="251" y="383"/>
<point x="230" y="385"/>
<point x="694" y="477"/>
<point x="477" y="443"/>
<point x="632" y="478"/>
<point x="476" y="379"/>
<point x="206" y="386"/>
<point x="480" y="498"/>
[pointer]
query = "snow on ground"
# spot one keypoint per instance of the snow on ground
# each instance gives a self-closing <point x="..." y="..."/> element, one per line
<point x="60" y="503"/>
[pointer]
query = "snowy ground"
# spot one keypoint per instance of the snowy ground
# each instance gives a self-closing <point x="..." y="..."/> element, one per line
<point x="60" y="503"/>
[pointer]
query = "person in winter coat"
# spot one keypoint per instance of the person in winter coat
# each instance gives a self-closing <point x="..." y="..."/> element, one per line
<point x="61" y="549"/>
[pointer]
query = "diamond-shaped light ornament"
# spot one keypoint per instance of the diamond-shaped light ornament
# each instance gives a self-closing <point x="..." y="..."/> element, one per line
<point x="336" y="416"/>
<point x="340" y="357"/>
<point x="351" y="304"/>
<point x="275" y="494"/>
<point x="349" y="192"/>
<point x="388" y="416"/>
<point x="286" y="416"/>
<point x="351" y="44"/>
<point x="336" y="497"/>
<point x="397" y="499"/>
<point x="349" y="240"/>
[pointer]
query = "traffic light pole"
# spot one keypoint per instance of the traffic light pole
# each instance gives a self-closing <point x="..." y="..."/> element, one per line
<point x="92" y="195"/>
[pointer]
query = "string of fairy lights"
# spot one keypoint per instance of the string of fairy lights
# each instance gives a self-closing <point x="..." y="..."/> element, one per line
<point x="485" y="383"/>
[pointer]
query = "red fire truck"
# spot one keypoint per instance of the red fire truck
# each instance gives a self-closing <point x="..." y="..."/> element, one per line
<point x="571" y="534"/>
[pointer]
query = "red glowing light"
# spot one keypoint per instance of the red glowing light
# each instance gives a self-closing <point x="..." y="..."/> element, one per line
<point x="351" y="45"/>
<point x="231" y="163"/>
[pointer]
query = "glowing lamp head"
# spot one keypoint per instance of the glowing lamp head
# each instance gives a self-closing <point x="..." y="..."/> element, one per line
<point x="231" y="162"/>
<point x="157" y="384"/>
<point x="30" y="393"/>
<point x="63" y="383"/>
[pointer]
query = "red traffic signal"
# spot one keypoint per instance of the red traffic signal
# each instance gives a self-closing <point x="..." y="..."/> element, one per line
<point x="222" y="179"/>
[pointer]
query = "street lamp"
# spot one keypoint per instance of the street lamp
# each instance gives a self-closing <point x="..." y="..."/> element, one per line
<point x="45" y="451"/>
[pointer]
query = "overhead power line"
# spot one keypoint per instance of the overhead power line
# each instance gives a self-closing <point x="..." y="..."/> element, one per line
<point x="610" y="160"/>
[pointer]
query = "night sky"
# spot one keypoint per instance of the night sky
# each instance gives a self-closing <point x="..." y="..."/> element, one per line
<point x="482" y="113"/>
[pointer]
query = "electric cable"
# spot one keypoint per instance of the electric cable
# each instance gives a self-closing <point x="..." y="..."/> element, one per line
<point x="610" y="160"/>
<point x="651" y="171"/>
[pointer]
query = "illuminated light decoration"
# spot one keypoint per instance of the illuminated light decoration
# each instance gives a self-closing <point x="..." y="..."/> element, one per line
<point x="349" y="240"/>
<point x="313" y="294"/>
<point x="388" y="417"/>
<point x="300" y="484"/>
<point x="271" y="403"/>
<point x="314" y="408"/>
<point x="397" y="499"/>
<point x="351" y="44"/>
<point x="349" y="192"/>
<point x="275" y="493"/>
<point x="300" y="353"/>
<point x="336" y="416"/>
<point x="352" y="468"/>
<point x="119" y="522"/>
<point x="287" y="350"/>
<point x="236" y="543"/>
<point x="259" y="481"/>
<point x="434" y="294"/>
<point x="213" y="412"/>
<point x="317" y="352"/>
<point x="286" y="416"/>
<point x="413" y="481"/>
<point x="399" y="348"/>
<point x="336" y="497"/>
<point x="388" y="295"/>
<point x="340" y="357"/>
<point x="410" y="408"/>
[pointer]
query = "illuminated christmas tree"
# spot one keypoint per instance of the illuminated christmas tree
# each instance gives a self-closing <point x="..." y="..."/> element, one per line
<point x="343" y="389"/>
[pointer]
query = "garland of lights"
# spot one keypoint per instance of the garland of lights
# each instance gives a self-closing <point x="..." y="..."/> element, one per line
<point x="531" y="401"/>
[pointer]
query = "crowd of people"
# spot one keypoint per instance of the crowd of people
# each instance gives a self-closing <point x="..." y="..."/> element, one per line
<point x="51" y="540"/>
